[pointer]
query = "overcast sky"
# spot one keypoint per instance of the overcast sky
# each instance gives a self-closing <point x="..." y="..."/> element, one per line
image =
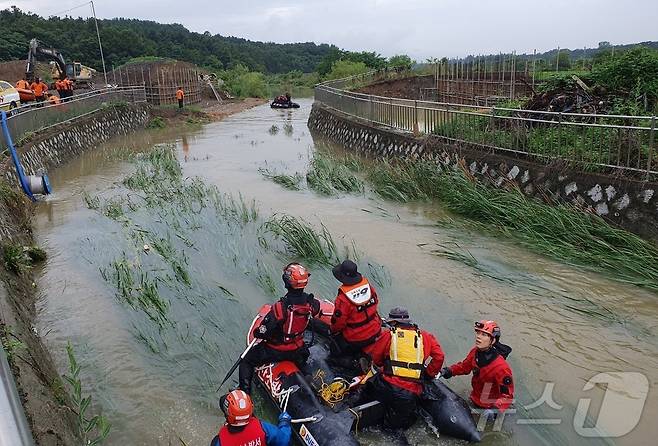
<point x="420" y="28"/>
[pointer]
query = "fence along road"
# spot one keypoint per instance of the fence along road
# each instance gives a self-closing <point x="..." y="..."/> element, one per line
<point x="622" y="143"/>
<point x="34" y="118"/>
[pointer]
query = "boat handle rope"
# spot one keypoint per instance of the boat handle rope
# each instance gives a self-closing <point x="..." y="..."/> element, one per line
<point x="285" y="397"/>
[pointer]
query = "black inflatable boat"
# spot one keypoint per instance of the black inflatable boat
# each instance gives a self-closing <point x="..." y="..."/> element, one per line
<point x="287" y="104"/>
<point x="328" y="409"/>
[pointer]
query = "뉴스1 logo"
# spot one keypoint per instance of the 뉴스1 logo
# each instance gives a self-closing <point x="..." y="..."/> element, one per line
<point x="307" y="437"/>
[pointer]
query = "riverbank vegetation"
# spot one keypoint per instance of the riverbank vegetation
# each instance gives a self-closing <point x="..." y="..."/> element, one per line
<point x="560" y="231"/>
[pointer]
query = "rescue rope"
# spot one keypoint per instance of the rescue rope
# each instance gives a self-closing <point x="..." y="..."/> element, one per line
<point x="334" y="392"/>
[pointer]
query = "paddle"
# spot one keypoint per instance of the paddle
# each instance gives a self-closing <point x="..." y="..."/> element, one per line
<point x="237" y="363"/>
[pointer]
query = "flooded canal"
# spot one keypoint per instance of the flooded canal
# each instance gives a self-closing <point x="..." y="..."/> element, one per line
<point x="152" y="359"/>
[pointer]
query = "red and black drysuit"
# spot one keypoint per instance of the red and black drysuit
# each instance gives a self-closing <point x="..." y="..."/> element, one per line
<point x="493" y="386"/>
<point x="400" y="395"/>
<point x="282" y="331"/>
<point x="355" y="324"/>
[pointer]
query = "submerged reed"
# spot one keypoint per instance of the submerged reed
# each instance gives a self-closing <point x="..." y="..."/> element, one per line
<point x="559" y="231"/>
<point x="288" y="181"/>
<point x="329" y="174"/>
<point x="302" y="240"/>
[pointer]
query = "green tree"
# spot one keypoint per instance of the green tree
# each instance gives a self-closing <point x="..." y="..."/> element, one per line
<point x="632" y="73"/>
<point x="401" y="60"/>
<point x="345" y="68"/>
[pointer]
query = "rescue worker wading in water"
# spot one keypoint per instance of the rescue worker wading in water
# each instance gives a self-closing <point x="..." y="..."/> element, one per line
<point x="355" y="324"/>
<point x="242" y="428"/>
<point x="405" y="356"/>
<point x="282" y="329"/>
<point x="493" y="386"/>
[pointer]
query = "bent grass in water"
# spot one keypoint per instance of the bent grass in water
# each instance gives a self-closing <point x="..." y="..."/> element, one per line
<point x="302" y="240"/>
<point x="329" y="174"/>
<point x="559" y="231"/>
<point x="288" y="181"/>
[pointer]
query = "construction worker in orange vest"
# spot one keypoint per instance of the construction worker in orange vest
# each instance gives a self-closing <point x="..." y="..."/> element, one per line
<point x="23" y="84"/>
<point x="40" y="89"/>
<point x="180" y="94"/>
<point x="60" y="86"/>
<point x="68" y="87"/>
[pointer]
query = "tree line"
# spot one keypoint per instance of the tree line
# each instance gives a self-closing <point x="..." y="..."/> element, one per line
<point x="126" y="39"/>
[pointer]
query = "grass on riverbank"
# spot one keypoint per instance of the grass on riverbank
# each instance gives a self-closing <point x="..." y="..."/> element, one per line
<point x="559" y="231"/>
<point x="585" y="144"/>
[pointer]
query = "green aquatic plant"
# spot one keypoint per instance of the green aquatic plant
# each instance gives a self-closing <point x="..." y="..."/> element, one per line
<point x="94" y="430"/>
<point x="166" y="249"/>
<point x="302" y="240"/>
<point x="113" y="209"/>
<point x="399" y="181"/>
<point x="329" y="174"/>
<point x="288" y="181"/>
<point x="273" y="130"/>
<point x="232" y="209"/>
<point x="137" y="289"/>
<point x="93" y="203"/>
<point x="559" y="231"/>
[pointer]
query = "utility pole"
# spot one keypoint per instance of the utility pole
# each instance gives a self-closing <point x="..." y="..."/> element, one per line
<point x="98" y="34"/>
<point x="557" y="60"/>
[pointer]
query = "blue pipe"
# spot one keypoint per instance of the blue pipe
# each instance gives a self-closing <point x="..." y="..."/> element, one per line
<point x="19" y="168"/>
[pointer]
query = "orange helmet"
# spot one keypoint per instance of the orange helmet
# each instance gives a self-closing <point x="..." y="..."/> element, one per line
<point x="295" y="276"/>
<point x="489" y="327"/>
<point x="237" y="407"/>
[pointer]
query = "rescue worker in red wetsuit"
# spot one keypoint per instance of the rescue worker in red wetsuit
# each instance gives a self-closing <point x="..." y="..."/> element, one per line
<point x="355" y="324"/>
<point x="243" y="428"/>
<point x="493" y="385"/>
<point x="282" y="329"/>
<point x="405" y="356"/>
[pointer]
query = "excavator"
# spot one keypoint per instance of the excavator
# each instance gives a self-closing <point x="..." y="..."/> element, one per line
<point x="80" y="74"/>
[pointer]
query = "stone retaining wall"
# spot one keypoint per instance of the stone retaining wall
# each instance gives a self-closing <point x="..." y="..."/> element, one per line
<point x="64" y="142"/>
<point x="629" y="203"/>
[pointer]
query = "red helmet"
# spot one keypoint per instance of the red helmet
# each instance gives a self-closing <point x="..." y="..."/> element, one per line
<point x="237" y="407"/>
<point x="295" y="276"/>
<point x="489" y="327"/>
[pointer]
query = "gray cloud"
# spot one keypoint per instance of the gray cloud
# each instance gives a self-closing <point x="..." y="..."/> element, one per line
<point x="421" y="28"/>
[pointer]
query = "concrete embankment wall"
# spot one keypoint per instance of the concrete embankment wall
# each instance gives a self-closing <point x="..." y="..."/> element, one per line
<point x="67" y="141"/>
<point x="628" y="203"/>
<point x="40" y="387"/>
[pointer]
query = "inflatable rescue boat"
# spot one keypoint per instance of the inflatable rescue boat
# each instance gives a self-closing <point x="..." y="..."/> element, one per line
<point x="328" y="404"/>
<point x="287" y="104"/>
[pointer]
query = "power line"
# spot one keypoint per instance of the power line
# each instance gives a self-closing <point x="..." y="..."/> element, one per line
<point x="70" y="9"/>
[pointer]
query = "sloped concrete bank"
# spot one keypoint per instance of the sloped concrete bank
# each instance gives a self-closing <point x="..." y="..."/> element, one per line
<point x="42" y="392"/>
<point x="629" y="203"/>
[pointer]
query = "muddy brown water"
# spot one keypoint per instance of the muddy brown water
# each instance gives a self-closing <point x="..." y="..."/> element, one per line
<point x="157" y="385"/>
